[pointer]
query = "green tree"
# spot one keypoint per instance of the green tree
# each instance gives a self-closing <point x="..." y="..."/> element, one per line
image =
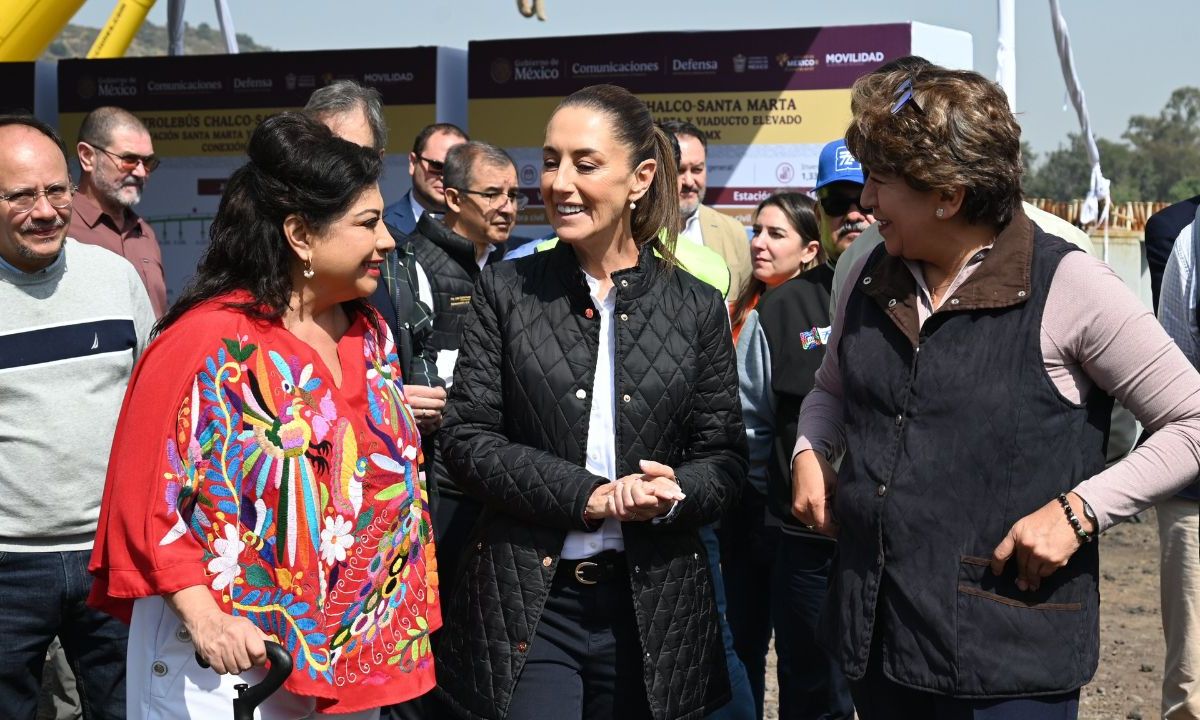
<point x="1168" y="146"/>
<point x="1066" y="173"/>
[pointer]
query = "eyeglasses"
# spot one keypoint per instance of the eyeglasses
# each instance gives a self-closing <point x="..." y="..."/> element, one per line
<point x="434" y="166"/>
<point x="836" y="205"/>
<point x="496" y="199"/>
<point x="129" y="161"/>
<point x="59" y="197"/>
<point x="904" y="95"/>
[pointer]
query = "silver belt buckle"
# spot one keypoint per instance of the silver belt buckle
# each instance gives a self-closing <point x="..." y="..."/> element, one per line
<point x="579" y="575"/>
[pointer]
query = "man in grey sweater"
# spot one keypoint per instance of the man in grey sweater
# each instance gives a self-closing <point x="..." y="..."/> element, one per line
<point x="74" y="319"/>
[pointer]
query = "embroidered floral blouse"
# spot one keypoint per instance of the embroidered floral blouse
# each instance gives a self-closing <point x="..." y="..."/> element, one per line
<point x="238" y="464"/>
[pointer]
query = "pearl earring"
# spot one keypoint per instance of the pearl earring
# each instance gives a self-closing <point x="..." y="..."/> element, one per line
<point x="940" y="212"/>
<point x="308" y="268"/>
<point x="632" y="205"/>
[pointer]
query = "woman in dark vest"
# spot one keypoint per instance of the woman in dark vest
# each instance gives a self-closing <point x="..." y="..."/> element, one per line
<point x="594" y="413"/>
<point x="968" y="381"/>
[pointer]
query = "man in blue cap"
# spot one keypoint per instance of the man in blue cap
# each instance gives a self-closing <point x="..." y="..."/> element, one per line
<point x="839" y="189"/>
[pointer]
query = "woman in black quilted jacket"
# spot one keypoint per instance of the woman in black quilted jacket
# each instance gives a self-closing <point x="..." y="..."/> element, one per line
<point x="595" y="413"/>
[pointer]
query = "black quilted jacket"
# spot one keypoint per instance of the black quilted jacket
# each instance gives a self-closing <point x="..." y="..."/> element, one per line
<point x="515" y="438"/>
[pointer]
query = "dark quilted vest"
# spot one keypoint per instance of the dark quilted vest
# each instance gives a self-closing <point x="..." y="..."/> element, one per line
<point x="950" y="442"/>
<point x="449" y="262"/>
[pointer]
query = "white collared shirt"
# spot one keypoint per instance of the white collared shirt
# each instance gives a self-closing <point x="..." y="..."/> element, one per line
<point x="602" y="438"/>
<point x="691" y="228"/>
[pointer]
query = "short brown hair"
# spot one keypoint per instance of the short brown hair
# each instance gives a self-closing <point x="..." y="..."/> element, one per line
<point x="955" y="131"/>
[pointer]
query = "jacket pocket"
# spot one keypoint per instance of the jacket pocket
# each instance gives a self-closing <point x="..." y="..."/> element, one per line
<point x="1012" y="642"/>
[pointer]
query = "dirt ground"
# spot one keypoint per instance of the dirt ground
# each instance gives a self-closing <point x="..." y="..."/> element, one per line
<point x="1126" y="686"/>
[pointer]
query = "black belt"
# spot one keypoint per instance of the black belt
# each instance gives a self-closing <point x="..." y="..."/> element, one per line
<point x="592" y="570"/>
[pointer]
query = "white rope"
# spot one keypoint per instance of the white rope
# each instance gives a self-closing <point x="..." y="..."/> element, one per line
<point x="1093" y="210"/>
<point x="1006" y="50"/>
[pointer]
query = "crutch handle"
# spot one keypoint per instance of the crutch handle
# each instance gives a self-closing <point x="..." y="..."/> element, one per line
<point x="251" y="696"/>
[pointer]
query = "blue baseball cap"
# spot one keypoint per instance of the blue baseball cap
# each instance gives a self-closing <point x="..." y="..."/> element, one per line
<point x="838" y="165"/>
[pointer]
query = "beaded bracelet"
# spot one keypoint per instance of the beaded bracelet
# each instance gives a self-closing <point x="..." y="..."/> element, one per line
<point x="1083" y="535"/>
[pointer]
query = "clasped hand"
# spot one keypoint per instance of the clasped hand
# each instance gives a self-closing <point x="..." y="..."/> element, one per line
<point x="637" y="497"/>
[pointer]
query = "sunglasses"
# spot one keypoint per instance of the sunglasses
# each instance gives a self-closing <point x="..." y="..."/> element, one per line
<point x="434" y="166"/>
<point x="836" y="205"/>
<point x="128" y="161"/>
<point x="904" y="96"/>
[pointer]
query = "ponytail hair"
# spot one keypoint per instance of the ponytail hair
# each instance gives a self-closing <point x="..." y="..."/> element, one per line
<point x="655" y="220"/>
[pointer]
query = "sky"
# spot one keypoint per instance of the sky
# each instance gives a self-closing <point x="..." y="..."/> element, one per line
<point x="1129" y="55"/>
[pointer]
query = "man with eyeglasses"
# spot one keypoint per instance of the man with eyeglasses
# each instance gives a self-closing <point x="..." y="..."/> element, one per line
<point x="116" y="157"/>
<point x="426" y="163"/>
<point x="482" y="200"/>
<point x="74" y="319"/>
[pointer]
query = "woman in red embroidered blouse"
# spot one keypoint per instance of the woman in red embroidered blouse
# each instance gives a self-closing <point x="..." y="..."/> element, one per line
<point x="264" y="477"/>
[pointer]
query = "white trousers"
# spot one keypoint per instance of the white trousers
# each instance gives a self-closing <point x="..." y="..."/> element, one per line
<point x="164" y="681"/>
<point x="1179" y="548"/>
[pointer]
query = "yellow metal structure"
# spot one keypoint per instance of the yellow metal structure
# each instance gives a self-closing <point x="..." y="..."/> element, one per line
<point x="118" y="33"/>
<point x="28" y="26"/>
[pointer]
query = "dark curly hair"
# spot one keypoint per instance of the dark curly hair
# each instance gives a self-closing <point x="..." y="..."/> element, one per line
<point x="956" y="131"/>
<point x="297" y="167"/>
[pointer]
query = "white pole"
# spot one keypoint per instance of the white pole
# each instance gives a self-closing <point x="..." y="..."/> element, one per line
<point x="1006" y="50"/>
<point x="175" y="26"/>
<point x="227" y="31"/>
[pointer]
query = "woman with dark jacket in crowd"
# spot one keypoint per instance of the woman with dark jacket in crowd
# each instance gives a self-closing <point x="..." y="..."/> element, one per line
<point x="775" y="570"/>
<point x="968" y="379"/>
<point x="595" y="413"/>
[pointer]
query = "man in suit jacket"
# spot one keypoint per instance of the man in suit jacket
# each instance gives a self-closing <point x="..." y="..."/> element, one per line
<point x="701" y="224"/>
<point x="425" y="165"/>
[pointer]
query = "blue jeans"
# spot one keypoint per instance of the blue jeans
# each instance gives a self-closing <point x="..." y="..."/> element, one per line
<point x="42" y="595"/>
<point x="878" y="698"/>
<point x="811" y="685"/>
<point x="777" y="582"/>
<point x="741" y="705"/>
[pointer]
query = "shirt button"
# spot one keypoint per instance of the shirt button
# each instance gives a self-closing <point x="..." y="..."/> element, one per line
<point x="547" y="561"/>
<point x="182" y="635"/>
<point x="159" y="668"/>
<point x="581" y="393"/>
<point x="522" y="646"/>
<point x="892" y="302"/>
<point x="624" y="283"/>
<point x="881" y="490"/>
<point x="624" y="316"/>
<point x="867" y="280"/>
<point x="626" y="398"/>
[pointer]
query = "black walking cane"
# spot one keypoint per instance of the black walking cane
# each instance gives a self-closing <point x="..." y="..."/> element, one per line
<point x="250" y="697"/>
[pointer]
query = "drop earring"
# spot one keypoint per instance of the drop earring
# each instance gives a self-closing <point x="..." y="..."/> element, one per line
<point x="308" y="268"/>
<point x="632" y="205"/>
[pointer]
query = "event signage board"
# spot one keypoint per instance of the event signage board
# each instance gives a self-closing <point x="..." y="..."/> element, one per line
<point x="18" y="80"/>
<point x="201" y="110"/>
<point x="767" y="100"/>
